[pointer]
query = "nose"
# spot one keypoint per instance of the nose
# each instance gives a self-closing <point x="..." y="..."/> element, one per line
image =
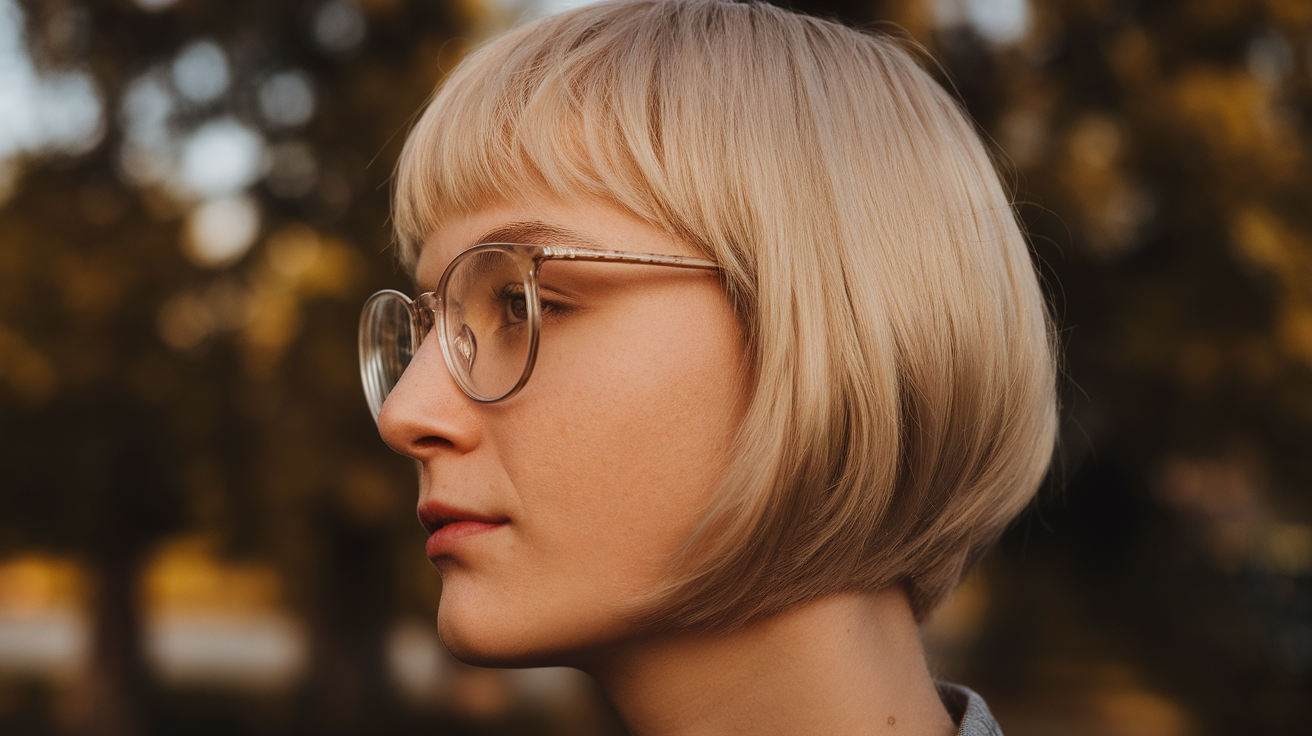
<point x="426" y="413"/>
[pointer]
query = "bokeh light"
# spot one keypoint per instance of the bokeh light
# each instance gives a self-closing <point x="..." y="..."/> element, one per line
<point x="287" y="99"/>
<point x="220" y="230"/>
<point x="58" y="111"/>
<point x="339" y="26"/>
<point x="222" y="157"/>
<point x="200" y="71"/>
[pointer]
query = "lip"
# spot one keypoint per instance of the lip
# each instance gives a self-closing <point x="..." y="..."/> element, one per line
<point x="444" y="541"/>
<point x="449" y="527"/>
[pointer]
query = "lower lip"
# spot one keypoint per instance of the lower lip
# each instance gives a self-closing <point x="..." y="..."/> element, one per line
<point x="444" y="540"/>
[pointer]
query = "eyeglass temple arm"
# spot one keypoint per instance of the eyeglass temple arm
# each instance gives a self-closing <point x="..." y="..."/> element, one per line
<point x="654" y="259"/>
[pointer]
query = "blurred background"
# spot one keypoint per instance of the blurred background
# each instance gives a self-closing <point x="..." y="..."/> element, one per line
<point x="200" y="531"/>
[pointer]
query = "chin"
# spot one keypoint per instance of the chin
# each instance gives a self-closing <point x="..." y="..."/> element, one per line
<point x="509" y="637"/>
<point x="487" y="647"/>
<point x="481" y="648"/>
<point x="480" y="634"/>
<point x="493" y="636"/>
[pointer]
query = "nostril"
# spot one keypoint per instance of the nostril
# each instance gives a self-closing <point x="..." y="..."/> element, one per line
<point x="427" y="444"/>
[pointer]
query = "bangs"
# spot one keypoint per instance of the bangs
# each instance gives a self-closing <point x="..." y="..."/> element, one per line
<point x="567" y="107"/>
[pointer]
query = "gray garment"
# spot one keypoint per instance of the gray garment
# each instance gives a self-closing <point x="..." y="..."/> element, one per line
<point x="968" y="709"/>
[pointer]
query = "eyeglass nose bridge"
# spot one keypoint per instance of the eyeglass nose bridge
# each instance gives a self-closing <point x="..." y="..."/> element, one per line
<point x="427" y="312"/>
<point x="466" y="347"/>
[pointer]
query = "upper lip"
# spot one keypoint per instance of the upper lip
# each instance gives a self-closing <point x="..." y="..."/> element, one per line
<point x="435" y="515"/>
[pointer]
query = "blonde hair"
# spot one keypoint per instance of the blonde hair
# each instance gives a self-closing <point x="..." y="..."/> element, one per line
<point x="903" y="410"/>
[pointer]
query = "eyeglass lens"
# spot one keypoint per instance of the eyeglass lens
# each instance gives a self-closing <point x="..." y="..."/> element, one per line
<point x="387" y="343"/>
<point x="488" y="322"/>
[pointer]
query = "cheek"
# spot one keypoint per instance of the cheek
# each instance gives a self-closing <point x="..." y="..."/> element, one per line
<point x="634" y="427"/>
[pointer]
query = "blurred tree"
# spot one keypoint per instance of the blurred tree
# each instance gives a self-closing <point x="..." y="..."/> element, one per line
<point x="176" y="316"/>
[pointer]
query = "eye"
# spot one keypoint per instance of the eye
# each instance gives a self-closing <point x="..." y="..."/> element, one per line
<point x="512" y="303"/>
<point x="517" y="307"/>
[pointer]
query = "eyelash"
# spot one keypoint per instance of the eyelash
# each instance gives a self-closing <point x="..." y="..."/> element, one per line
<point x="549" y="308"/>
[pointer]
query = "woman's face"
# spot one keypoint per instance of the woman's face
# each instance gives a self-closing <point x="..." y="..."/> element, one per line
<point x="556" y="510"/>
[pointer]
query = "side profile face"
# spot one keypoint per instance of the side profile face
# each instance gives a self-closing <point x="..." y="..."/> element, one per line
<point x="569" y="498"/>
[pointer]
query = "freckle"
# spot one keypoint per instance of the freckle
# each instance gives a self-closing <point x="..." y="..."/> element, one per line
<point x="891" y="720"/>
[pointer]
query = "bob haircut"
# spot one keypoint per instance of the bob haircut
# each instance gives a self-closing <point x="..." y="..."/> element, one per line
<point x="902" y="407"/>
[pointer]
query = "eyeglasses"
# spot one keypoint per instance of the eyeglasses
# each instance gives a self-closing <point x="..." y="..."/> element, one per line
<point x="488" y="316"/>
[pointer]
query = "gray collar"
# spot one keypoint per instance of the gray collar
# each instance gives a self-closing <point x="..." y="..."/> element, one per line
<point x="969" y="710"/>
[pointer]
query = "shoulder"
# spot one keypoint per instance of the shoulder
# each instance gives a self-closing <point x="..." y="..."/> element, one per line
<point x="969" y="710"/>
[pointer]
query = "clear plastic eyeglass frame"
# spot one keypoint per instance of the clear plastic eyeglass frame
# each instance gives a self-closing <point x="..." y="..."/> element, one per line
<point x="487" y="313"/>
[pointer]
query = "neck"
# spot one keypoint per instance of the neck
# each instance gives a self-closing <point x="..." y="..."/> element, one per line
<point x="849" y="664"/>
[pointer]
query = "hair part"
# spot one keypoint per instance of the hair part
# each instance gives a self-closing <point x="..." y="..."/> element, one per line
<point x="903" y="409"/>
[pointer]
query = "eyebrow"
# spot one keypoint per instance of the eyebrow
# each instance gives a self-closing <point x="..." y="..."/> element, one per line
<point x="529" y="232"/>
<point x="536" y="232"/>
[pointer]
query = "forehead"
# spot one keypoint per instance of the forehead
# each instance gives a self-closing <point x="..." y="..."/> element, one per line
<point x="584" y="224"/>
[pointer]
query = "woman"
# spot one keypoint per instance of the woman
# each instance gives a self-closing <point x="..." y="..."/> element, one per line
<point x="740" y="361"/>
